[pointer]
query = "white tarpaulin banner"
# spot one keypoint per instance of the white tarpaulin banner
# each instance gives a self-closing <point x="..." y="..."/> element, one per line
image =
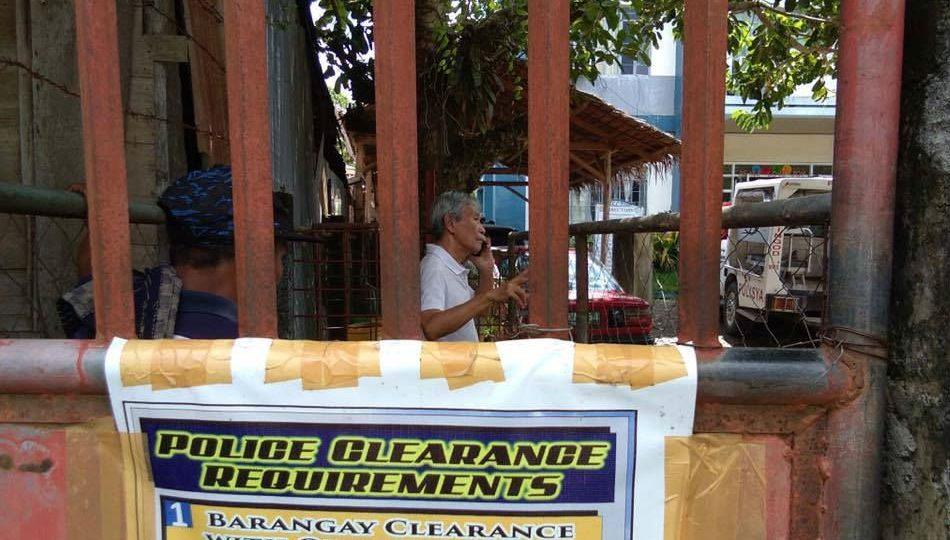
<point x="262" y="439"/>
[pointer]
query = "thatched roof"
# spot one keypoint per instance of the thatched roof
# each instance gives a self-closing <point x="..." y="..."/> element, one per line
<point x="598" y="131"/>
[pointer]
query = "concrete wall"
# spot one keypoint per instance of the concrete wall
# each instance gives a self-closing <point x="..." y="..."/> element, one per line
<point x="636" y="95"/>
<point x="48" y="145"/>
<point x="15" y="269"/>
<point x="778" y="148"/>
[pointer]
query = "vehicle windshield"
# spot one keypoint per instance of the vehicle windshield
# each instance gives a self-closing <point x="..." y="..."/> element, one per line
<point x="599" y="279"/>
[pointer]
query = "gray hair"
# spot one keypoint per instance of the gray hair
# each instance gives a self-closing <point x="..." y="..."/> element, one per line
<point x="450" y="203"/>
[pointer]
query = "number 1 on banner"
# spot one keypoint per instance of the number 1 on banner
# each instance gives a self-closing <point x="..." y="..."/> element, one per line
<point x="177" y="514"/>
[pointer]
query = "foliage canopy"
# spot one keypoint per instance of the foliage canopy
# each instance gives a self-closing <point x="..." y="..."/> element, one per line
<point x="470" y="52"/>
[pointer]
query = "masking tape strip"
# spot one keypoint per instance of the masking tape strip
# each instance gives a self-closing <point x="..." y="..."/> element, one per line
<point x="94" y="471"/>
<point x="715" y="488"/>
<point x="135" y="366"/>
<point x="638" y="366"/>
<point x="175" y="363"/>
<point x="321" y="365"/>
<point x="284" y="359"/>
<point x="462" y="364"/>
<point x="331" y="370"/>
<point x="187" y="363"/>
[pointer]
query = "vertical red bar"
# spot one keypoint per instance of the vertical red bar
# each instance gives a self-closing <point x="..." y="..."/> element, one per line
<point x="548" y="151"/>
<point x="249" y="129"/>
<point x="398" y="168"/>
<point x="865" y="165"/>
<point x="701" y="192"/>
<point x="867" y="125"/>
<point x="104" y="154"/>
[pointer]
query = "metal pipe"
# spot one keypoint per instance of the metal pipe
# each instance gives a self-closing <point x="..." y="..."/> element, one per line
<point x="52" y="366"/>
<point x="249" y="130"/>
<point x="548" y="154"/>
<point x="582" y="282"/>
<point x="398" y="171"/>
<point x="701" y="195"/>
<point x="734" y="376"/>
<point x="810" y="210"/>
<point x="855" y="445"/>
<point x="97" y="51"/>
<point x="750" y="376"/>
<point x="37" y="201"/>
<point x="865" y="163"/>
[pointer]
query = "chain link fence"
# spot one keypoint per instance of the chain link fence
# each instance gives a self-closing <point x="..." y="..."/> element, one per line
<point x="772" y="286"/>
<point x="39" y="264"/>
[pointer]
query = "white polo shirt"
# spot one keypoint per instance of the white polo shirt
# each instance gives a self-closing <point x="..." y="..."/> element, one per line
<point x="445" y="285"/>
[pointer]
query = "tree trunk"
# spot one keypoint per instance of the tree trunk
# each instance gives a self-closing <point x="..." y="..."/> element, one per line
<point x="916" y="498"/>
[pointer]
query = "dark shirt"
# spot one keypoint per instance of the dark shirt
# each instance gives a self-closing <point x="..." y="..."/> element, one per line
<point x="199" y="315"/>
<point x="204" y="315"/>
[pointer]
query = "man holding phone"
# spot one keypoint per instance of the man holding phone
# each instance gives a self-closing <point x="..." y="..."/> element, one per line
<point x="449" y="305"/>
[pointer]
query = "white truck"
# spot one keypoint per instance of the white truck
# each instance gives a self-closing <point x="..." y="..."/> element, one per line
<point x="773" y="272"/>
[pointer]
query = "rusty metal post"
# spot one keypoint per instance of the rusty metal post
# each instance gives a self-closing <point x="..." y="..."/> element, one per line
<point x="582" y="282"/>
<point x="250" y="142"/>
<point x="398" y="167"/>
<point x="97" y="50"/>
<point x="548" y="154"/>
<point x="862" y="218"/>
<point x="700" y="196"/>
<point x="865" y="166"/>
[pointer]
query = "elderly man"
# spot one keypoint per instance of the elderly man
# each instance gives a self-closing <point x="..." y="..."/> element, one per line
<point x="449" y="305"/>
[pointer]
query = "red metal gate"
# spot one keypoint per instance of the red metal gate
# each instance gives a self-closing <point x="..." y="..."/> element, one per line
<point x="822" y="410"/>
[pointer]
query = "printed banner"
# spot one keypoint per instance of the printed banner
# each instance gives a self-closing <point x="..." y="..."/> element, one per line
<point x="261" y="439"/>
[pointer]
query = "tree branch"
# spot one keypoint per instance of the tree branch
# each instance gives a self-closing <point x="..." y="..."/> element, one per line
<point x="756" y="5"/>
<point x="792" y="42"/>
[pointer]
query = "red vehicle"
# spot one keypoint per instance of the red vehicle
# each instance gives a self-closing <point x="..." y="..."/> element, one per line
<point x="614" y="315"/>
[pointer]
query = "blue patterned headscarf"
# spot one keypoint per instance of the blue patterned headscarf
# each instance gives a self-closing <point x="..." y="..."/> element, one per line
<point x="199" y="209"/>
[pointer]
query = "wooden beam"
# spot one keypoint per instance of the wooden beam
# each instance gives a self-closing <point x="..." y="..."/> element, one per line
<point x="168" y="48"/>
<point x="599" y="175"/>
<point x="580" y="108"/>
<point x="208" y="81"/>
<point x="592" y="146"/>
<point x="587" y="126"/>
<point x="608" y="199"/>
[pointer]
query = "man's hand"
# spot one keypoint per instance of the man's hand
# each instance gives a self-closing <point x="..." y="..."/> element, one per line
<point x="78" y="187"/>
<point x="483" y="260"/>
<point x="513" y="289"/>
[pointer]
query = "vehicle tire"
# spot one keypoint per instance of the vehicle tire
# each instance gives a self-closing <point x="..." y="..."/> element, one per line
<point x="730" y="308"/>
